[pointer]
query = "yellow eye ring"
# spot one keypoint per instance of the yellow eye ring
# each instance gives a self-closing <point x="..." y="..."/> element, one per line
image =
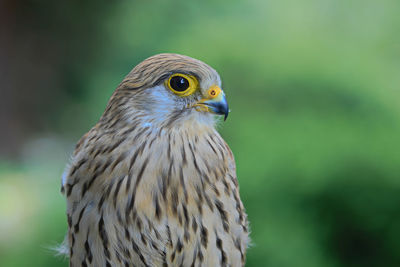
<point x="182" y="84"/>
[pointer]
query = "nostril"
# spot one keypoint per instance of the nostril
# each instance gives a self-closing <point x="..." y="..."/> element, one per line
<point x="214" y="91"/>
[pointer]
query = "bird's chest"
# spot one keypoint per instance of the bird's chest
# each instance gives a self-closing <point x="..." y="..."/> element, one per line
<point x="182" y="207"/>
<point x="203" y="232"/>
<point x="167" y="199"/>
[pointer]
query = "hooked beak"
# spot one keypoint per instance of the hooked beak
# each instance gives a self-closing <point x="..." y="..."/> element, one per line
<point x="215" y="102"/>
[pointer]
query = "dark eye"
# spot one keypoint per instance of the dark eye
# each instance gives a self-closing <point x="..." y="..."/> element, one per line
<point x="179" y="83"/>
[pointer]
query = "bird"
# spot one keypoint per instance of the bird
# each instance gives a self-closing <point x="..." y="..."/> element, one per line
<point x="153" y="183"/>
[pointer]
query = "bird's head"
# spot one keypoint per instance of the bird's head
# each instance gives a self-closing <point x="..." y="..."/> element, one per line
<point x="168" y="89"/>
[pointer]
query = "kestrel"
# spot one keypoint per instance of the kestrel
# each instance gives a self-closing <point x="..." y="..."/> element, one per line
<point x="153" y="183"/>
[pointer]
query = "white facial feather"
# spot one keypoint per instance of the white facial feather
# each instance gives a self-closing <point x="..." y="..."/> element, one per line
<point x="163" y="103"/>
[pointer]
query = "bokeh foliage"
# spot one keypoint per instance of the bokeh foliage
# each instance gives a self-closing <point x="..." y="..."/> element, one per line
<point x="314" y="91"/>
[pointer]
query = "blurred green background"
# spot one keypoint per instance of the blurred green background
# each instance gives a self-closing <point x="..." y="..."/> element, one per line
<point x="313" y="86"/>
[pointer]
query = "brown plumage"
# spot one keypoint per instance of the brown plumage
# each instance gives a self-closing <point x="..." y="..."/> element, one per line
<point x="153" y="183"/>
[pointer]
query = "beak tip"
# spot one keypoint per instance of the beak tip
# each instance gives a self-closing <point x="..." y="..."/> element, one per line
<point x="226" y="115"/>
